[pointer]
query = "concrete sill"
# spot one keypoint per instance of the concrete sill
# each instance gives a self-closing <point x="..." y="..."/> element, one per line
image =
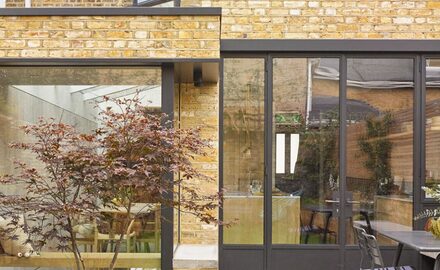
<point x="196" y="257"/>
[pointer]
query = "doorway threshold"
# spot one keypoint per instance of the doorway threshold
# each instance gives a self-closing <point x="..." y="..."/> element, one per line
<point x="188" y="256"/>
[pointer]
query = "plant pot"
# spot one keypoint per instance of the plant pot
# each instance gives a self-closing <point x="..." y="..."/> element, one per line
<point x="433" y="226"/>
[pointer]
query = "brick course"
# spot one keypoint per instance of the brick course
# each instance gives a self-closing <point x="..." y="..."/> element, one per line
<point x="110" y="36"/>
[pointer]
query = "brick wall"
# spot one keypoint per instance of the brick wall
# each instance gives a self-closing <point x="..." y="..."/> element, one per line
<point x="110" y="36"/>
<point x="306" y="18"/>
<point x="198" y="106"/>
<point x="327" y="19"/>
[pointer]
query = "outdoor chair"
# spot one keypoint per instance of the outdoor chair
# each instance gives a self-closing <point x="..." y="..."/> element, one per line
<point x="375" y="255"/>
<point x="105" y="239"/>
<point x="362" y="243"/>
<point x="148" y="239"/>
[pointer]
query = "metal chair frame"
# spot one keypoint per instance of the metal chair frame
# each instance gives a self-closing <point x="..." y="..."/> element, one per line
<point x="375" y="255"/>
<point x="362" y="243"/>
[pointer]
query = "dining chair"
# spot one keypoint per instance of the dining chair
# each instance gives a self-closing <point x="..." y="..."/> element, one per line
<point x="362" y="243"/>
<point x="375" y="255"/>
<point x="149" y="235"/>
<point x="129" y="238"/>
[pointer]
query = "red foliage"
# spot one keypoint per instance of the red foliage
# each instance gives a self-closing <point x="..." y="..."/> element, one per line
<point x="133" y="152"/>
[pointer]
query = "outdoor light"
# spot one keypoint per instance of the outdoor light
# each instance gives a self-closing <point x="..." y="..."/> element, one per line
<point x="198" y="76"/>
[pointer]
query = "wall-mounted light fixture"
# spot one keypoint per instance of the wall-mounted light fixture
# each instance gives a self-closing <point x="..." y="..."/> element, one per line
<point x="198" y="76"/>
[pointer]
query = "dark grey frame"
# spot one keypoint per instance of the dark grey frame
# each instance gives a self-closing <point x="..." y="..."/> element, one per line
<point x="152" y="3"/>
<point x="116" y="11"/>
<point x="149" y="3"/>
<point x="330" y="46"/>
<point x="167" y="103"/>
<point x="418" y="50"/>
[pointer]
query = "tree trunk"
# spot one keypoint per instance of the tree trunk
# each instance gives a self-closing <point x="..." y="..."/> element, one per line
<point x="77" y="254"/>
<point x="121" y="237"/>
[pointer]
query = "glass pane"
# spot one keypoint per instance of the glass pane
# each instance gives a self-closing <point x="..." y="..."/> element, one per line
<point x="74" y="96"/>
<point x="432" y="113"/>
<point x="243" y="150"/>
<point x="306" y="117"/>
<point x="380" y="145"/>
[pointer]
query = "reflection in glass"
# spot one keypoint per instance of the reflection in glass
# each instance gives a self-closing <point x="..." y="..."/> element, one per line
<point x="432" y="129"/>
<point x="280" y="153"/>
<point x="294" y="147"/>
<point x="380" y="144"/>
<point x="243" y="150"/>
<point x="73" y="96"/>
<point x="306" y="113"/>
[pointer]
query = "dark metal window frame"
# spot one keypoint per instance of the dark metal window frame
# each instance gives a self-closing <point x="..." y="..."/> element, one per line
<point x="116" y="11"/>
<point x="418" y="50"/>
<point x="152" y="3"/>
<point x="167" y="105"/>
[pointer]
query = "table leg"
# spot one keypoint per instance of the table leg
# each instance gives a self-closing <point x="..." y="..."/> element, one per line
<point x="437" y="262"/>
<point x="367" y="220"/>
<point x="327" y="223"/>
<point x="398" y="253"/>
<point x="312" y="217"/>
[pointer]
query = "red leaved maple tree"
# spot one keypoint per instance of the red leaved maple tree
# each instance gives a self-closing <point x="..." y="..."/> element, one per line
<point x="133" y="154"/>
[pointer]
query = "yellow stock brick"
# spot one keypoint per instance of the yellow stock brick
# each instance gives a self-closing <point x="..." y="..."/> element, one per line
<point x="14" y="44"/>
<point x="110" y="36"/>
<point x="34" y="53"/>
<point x="433" y="4"/>
<point x="119" y="34"/>
<point x="57" y="24"/>
<point x="186" y="34"/>
<point x="77" y="34"/>
<point x="13" y="25"/>
<point x="99" y="25"/>
<point x="142" y="25"/>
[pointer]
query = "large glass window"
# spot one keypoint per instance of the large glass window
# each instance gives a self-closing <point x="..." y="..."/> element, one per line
<point x="243" y="150"/>
<point x="432" y="129"/>
<point x="305" y="151"/>
<point x="380" y="145"/>
<point x="74" y="96"/>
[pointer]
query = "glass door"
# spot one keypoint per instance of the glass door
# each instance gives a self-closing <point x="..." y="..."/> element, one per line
<point x="305" y="162"/>
<point x="380" y="146"/>
<point x="243" y="151"/>
<point x="313" y="132"/>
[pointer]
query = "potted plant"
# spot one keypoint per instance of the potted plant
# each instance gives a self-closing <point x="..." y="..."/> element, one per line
<point x="433" y="223"/>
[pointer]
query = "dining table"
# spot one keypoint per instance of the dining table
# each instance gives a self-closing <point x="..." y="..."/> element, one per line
<point x="421" y="241"/>
<point x="137" y="210"/>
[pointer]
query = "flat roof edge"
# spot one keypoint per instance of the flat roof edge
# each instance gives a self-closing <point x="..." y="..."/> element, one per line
<point x="116" y="11"/>
<point x="11" y="61"/>
<point x="330" y="45"/>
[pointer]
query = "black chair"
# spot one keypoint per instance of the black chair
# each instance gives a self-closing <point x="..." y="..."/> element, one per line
<point x="376" y="257"/>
